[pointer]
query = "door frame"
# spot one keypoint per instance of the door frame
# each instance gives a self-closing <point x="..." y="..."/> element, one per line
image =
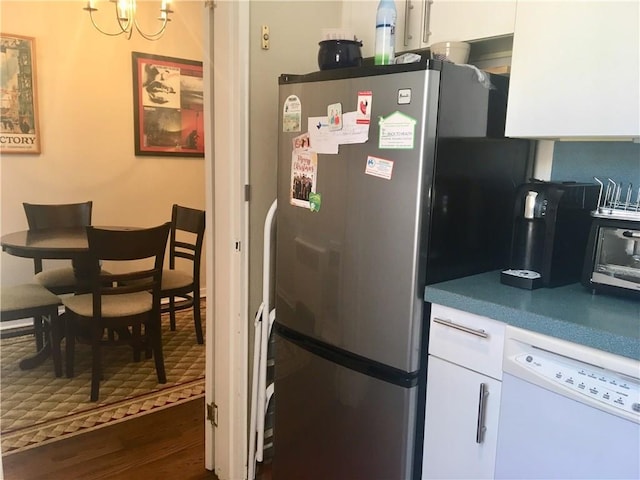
<point x="226" y="83"/>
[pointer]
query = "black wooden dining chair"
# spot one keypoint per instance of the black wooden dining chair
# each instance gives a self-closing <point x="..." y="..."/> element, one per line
<point x="182" y="288"/>
<point x="123" y="307"/>
<point x="32" y="300"/>
<point x="58" y="280"/>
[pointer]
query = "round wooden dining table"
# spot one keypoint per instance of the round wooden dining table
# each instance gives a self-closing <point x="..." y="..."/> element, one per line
<point x="54" y="243"/>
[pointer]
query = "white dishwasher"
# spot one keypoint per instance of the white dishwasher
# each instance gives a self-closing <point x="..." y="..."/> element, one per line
<point x="567" y="411"/>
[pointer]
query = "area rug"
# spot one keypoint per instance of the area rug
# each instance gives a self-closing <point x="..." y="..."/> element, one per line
<point x="37" y="408"/>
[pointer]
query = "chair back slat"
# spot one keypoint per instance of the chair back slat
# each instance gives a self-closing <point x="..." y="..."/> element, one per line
<point x="58" y="215"/>
<point x="63" y="215"/>
<point x="187" y="219"/>
<point x="129" y="282"/>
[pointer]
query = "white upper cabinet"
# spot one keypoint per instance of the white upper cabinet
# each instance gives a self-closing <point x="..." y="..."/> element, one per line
<point x="460" y="21"/>
<point x="575" y="70"/>
<point x="421" y="23"/>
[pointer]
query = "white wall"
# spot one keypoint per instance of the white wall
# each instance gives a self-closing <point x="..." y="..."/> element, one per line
<point x="85" y="97"/>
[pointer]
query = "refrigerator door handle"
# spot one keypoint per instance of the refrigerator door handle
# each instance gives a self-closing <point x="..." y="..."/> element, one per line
<point x="472" y="331"/>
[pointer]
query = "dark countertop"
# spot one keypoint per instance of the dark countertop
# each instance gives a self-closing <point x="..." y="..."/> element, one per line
<point x="571" y="312"/>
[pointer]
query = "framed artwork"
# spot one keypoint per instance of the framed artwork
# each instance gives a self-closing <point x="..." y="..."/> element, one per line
<point x="19" y="131"/>
<point x="168" y="106"/>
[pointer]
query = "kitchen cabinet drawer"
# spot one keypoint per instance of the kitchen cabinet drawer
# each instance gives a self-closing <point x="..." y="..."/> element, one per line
<point x="575" y="70"/>
<point x="467" y="339"/>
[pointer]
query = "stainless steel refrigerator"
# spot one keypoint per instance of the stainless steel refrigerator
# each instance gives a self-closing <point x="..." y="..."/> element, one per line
<point x="389" y="178"/>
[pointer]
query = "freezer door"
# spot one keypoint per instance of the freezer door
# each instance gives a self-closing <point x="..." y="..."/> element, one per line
<point x="350" y="274"/>
<point x="334" y="423"/>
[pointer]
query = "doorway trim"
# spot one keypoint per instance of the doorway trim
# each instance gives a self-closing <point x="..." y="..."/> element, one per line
<point x="226" y="60"/>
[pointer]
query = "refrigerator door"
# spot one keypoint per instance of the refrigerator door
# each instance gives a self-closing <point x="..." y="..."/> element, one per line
<point x="347" y="426"/>
<point x="350" y="274"/>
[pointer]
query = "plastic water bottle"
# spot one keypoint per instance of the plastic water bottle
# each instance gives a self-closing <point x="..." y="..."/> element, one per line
<point x="385" y="33"/>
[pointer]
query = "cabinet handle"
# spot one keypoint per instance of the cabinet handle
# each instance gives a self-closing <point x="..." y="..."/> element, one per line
<point x="407" y="21"/>
<point x="472" y="331"/>
<point x="482" y="405"/>
<point x="427" y="19"/>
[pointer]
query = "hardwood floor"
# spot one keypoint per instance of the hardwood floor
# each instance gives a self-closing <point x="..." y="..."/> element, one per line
<point x="164" y="445"/>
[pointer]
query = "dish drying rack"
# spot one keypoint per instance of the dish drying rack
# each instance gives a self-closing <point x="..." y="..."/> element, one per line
<point x="617" y="202"/>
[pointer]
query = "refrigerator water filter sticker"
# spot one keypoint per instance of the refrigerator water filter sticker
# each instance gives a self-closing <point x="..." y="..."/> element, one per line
<point x="397" y="131"/>
<point x="292" y="114"/>
<point x="304" y="172"/>
<point x="379" y="167"/>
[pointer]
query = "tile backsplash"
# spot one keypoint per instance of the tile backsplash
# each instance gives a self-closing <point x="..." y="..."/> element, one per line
<point x="581" y="161"/>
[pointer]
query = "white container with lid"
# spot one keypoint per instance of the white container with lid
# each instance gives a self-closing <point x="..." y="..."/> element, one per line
<point x="455" y="52"/>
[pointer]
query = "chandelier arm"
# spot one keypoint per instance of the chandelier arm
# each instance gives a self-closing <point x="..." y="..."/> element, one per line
<point x="126" y="26"/>
<point x="110" y="34"/>
<point x="152" y="36"/>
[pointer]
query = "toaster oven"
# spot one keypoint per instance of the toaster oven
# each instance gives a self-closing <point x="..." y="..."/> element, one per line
<point x="612" y="257"/>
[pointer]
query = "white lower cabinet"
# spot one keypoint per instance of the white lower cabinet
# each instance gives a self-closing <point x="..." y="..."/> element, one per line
<point x="464" y="379"/>
<point x="457" y="443"/>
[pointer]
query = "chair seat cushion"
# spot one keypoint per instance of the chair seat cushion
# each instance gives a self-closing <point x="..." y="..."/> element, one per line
<point x="172" y="279"/>
<point x="112" y="306"/>
<point x="29" y="295"/>
<point x="57" y="277"/>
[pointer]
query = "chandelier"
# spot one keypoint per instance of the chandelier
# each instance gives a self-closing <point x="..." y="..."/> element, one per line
<point x="125" y="11"/>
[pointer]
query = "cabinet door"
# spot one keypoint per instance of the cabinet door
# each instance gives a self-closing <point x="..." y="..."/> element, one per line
<point x="452" y="448"/>
<point x="460" y="21"/>
<point x="575" y="70"/>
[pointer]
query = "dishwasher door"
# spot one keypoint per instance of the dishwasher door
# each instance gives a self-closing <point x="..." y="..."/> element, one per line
<point x="567" y="411"/>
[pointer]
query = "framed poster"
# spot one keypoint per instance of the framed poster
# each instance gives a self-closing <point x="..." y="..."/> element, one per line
<point x="168" y="106"/>
<point x="19" y="131"/>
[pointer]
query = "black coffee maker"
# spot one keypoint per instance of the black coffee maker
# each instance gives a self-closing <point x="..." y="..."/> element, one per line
<point x="550" y="232"/>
